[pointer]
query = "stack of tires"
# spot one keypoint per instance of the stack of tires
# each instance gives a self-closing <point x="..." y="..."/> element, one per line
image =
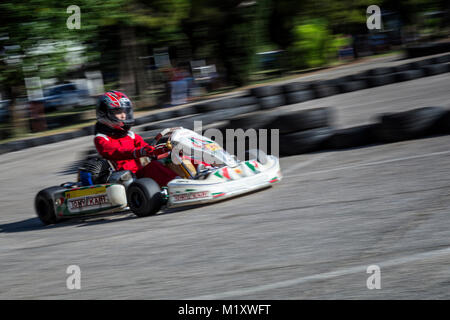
<point x="412" y="124"/>
<point x="325" y="88"/>
<point x="351" y="83"/>
<point x="297" y="92"/>
<point x="303" y="131"/>
<point x="269" y="97"/>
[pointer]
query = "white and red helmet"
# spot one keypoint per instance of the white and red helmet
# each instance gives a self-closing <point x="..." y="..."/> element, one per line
<point x="109" y="104"/>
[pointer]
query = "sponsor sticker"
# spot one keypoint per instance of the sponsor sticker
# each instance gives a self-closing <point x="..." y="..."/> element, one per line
<point x="191" y="195"/>
<point x="85" y="192"/>
<point x="89" y="201"/>
<point x="212" y="146"/>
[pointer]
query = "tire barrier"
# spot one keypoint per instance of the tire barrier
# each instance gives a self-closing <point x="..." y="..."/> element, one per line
<point x="427" y="49"/>
<point x="433" y="69"/>
<point x="324" y="89"/>
<point x="376" y="81"/>
<point x="408" y="75"/>
<point x="409" y="124"/>
<point x="442" y="125"/>
<point x="299" y="96"/>
<point x="271" y="102"/>
<point x="304" y="141"/>
<point x="303" y="120"/>
<point x="353" y="137"/>
<point x="312" y="131"/>
<point x="350" y="86"/>
<point x="266" y="91"/>
<point x="269" y="98"/>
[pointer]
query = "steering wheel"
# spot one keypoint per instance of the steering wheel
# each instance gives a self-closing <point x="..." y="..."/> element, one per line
<point x="162" y="134"/>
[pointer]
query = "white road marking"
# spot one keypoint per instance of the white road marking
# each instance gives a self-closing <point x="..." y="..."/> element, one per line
<point x="369" y="164"/>
<point x="325" y="276"/>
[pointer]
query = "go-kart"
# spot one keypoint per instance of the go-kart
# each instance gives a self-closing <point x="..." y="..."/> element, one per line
<point x="102" y="189"/>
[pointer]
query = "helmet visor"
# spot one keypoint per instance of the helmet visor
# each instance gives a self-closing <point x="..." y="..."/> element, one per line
<point x="122" y="114"/>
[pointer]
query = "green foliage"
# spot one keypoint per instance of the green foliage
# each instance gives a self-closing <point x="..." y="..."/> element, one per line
<point x="312" y="45"/>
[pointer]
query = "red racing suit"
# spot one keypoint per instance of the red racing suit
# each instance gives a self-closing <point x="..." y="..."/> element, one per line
<point x="122" y="153"/>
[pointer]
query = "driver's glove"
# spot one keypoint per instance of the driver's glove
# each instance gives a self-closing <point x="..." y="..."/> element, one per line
<point x="146" y="151"/>
<point x="161" y="152"/>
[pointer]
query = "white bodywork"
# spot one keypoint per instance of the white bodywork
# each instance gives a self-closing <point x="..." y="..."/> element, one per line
<point x="229" y="177"/>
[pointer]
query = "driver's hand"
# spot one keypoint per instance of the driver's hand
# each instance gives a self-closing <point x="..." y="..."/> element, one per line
<point x="161" y="152"/>
<point x="146" y="151"/>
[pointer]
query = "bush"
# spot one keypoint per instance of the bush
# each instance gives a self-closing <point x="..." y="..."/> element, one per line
<point x="313" y="45"/>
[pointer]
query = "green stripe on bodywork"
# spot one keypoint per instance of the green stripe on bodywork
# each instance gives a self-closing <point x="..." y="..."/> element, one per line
<point x="251" y="166"/>
<point x="217" y="174"/>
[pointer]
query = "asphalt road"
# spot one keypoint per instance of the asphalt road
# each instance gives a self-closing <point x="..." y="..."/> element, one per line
<point x="312" y="236"/>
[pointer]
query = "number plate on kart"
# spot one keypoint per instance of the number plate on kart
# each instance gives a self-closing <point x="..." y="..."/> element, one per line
<point x="92" y="198"/>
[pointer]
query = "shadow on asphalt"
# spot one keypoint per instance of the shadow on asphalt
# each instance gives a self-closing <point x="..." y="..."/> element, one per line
<point x="34" y="224"/>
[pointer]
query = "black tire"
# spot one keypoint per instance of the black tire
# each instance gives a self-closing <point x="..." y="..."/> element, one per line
<point x="299" y="96"/>
<point x="145" y="119"/>
<point x="44" y="206"/>
<point x="144" y="197"/>
<point x="304" y="141"/>
<point x="223" y="115"/>
<point x="16" y="145"/>
<point x="441" y="59"/>
<point x="252" y="121"/>
<point x="295" y="86"/>
<point x="352" y="86"/>
<point x="410" y="124"/>
<point x="433" y="69"/>
<point x="216" y="105"/>
<point x="353" y="137"/>
<point x="266" y="91"/>
<point x="442" y="125"/>
<point x="379" y="71"/>
<point x="322" y="90"/>
<point x="186" y="111"/>
<point x="271" y="102"/>
<point x="401" y="68"/>
<point x="165" y="115"/>
<point x="89" y="130"/>
<point x="408" y="75"/>
<point x="302" y="120"/>
<point x="382" y="80"/>
<point x="418" y="64"/>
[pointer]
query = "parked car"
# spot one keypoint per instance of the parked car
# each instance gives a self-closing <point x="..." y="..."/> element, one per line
<point x="65" y="96"/>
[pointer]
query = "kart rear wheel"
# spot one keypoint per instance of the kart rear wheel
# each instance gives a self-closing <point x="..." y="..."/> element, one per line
<point x="44" y="206"/>
<point x="144" y="197"/>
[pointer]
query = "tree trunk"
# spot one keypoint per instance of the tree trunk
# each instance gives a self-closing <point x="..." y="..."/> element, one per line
<point x="133" y="80"/>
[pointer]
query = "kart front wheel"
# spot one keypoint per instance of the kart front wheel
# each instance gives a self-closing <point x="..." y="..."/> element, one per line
<point x="44" y="206"/>
<point x="144" y="197"/>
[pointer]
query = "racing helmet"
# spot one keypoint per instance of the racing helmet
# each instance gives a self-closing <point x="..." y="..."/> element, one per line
<point x="111" y="103"/>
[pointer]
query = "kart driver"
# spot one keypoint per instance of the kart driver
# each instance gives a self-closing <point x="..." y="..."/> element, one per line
<point x="115" y="142"/>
